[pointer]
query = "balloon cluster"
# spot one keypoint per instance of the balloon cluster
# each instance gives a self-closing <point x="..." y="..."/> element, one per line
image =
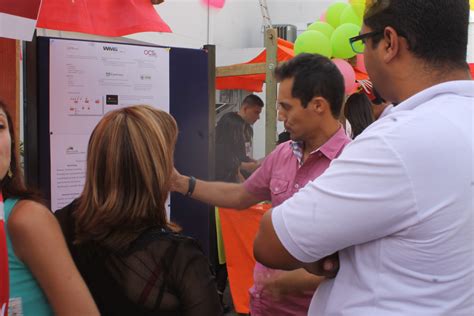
<point x="330" y="37"/>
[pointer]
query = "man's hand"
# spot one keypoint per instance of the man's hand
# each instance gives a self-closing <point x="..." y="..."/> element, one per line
<point x="285" y="283"/>
<point x="327" y="267"/>
<point x="179" y="183"/>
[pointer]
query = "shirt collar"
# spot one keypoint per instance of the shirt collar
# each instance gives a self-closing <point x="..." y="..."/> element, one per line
<point x="460" y="87"/>
<point x="331" y="148"/>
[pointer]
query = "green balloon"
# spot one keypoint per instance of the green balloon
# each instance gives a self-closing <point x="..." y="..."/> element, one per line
<point x="341" y="47"/>
<point x="322" y="27"/>
<point x="359" y="9"/>
<point x="333" y="14"/>
<point x="313" y="42"/>
<point x="350" y="16"/>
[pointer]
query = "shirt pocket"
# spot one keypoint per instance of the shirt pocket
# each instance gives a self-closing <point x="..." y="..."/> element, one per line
<point x="278" y="186"/>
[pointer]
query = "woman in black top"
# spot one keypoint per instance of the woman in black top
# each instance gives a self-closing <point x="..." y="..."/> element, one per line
<point x="129" y="254"/>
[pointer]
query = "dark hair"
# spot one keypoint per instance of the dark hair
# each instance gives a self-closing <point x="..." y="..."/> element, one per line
<point x="253" y="100"/>
<point x="436" y="31"/>
<point x="377" y="97"/>
<point x="358" y="110"/>
<point x="230" y="146"/>
<point x="13" y="186"/>
<point x="314" y="75"/>
<point x="283" y="137"/>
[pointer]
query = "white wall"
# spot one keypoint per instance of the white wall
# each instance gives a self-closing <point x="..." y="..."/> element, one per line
<point x="237" y="25"/>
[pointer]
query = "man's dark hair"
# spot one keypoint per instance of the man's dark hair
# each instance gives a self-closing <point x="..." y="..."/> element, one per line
<point x="253" y="100"/>
<point x="436" y="31"/>
<point x="314" y="75"/>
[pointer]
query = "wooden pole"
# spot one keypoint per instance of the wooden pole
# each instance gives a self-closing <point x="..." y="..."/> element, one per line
<point x="211" y="53"/>
<point x="270" y="89"/>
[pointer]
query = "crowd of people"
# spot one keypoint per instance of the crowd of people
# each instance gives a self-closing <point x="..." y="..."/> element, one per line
<point x="379" y="225"/>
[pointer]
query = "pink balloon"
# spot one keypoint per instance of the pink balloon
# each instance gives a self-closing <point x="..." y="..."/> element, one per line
<point x="348" y="73"/>
<point x="217" y="4"/>
<point x="322" y="18"/>
<point x="361" y="63"/>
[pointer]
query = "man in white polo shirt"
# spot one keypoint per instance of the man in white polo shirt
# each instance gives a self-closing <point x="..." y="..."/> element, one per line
<point x="397" y="205"/>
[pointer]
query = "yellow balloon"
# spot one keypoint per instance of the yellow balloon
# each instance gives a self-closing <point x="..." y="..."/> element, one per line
<point x="357" y="2"/>
<point x="471" y="4"/>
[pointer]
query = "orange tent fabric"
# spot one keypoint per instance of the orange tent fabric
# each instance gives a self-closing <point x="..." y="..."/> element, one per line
<point x="104" y="17"/>
<point x="255" y="82"/>
<point x="239" y="229"/>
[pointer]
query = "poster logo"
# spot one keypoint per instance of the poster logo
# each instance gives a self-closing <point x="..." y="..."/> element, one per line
<point x="150" y="52"/>
<point x="110" y="48"/>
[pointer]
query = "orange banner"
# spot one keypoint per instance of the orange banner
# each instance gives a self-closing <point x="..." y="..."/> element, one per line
<point x="239" y="228"/>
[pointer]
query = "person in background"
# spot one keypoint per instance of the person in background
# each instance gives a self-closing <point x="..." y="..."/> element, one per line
<point x="43" y="277"/>
<point x="230" y="148"/>
<point x="283" y="137"/>
<point x="132" y="258"/>
<point x="310" y="98"/>
<point x="397" y="205"/>
<point x="249" y="111"/>
<point x="358" y="111"/>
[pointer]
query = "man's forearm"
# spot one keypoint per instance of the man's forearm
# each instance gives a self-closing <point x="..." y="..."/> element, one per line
<point x="297" y="281"/>
<point x="230" y="195"/>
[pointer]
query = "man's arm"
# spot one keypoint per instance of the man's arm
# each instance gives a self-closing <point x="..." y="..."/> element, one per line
<point x="341" y="208"/>
<point x="269" y="251"/>
<point x="231" y="195"/>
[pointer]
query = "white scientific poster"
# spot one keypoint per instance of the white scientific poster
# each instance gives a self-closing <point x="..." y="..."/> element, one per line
<point x="87" y="80"/>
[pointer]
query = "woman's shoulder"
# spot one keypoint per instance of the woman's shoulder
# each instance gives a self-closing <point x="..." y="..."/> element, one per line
<point x="162" y="244"/>
<point x="27" y="214"/>
<point x="157" y="236"/>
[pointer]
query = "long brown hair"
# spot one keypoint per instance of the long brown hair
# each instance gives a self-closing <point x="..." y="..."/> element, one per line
<point x="13" y="185"/>
<point x="129" y="167"/>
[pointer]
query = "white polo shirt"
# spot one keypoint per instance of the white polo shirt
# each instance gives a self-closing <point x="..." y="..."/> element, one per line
<point x="398" y="206"/>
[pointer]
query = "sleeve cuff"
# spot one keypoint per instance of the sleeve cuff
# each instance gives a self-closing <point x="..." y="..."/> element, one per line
<point x="283" y="234"/>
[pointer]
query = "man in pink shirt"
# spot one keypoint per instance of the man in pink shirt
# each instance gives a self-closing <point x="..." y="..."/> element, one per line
<point x="310" y="98"/>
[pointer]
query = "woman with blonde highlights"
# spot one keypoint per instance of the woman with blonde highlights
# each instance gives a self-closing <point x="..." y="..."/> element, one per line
<point x="130" y="255"/>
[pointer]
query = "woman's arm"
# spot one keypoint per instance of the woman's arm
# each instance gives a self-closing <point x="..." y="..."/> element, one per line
<point x="38" y="242"/>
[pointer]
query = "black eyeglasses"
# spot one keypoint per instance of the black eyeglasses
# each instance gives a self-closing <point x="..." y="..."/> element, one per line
<point x="358" y="42"/>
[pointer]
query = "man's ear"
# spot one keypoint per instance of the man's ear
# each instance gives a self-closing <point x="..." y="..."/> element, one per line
<point x="318" y="105"/>
<point x="392" y="44"/>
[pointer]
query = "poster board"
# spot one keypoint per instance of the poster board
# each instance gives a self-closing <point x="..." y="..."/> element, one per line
<point x="188" y="102"/>
<point x="87" y="80"/>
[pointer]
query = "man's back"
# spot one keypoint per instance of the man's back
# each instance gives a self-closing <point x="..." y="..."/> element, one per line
<point x="418" y="257"/>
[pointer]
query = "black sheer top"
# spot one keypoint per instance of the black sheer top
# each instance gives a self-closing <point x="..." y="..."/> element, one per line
<point x="161" y="273"/>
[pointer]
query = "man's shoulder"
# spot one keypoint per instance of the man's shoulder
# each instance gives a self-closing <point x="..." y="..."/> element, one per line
<point x="280" y="156"/>
<point x="282" y="150"/>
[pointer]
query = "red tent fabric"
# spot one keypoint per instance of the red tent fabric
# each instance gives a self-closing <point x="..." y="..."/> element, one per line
<point x="255" y="82"/>
<point x="104" y="17"/>
<point x="18" y="18"/>
<point x="4" y="289"/>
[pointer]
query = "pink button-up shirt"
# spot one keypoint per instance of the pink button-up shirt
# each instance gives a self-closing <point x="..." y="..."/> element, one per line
<point x="280" y="176"/>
